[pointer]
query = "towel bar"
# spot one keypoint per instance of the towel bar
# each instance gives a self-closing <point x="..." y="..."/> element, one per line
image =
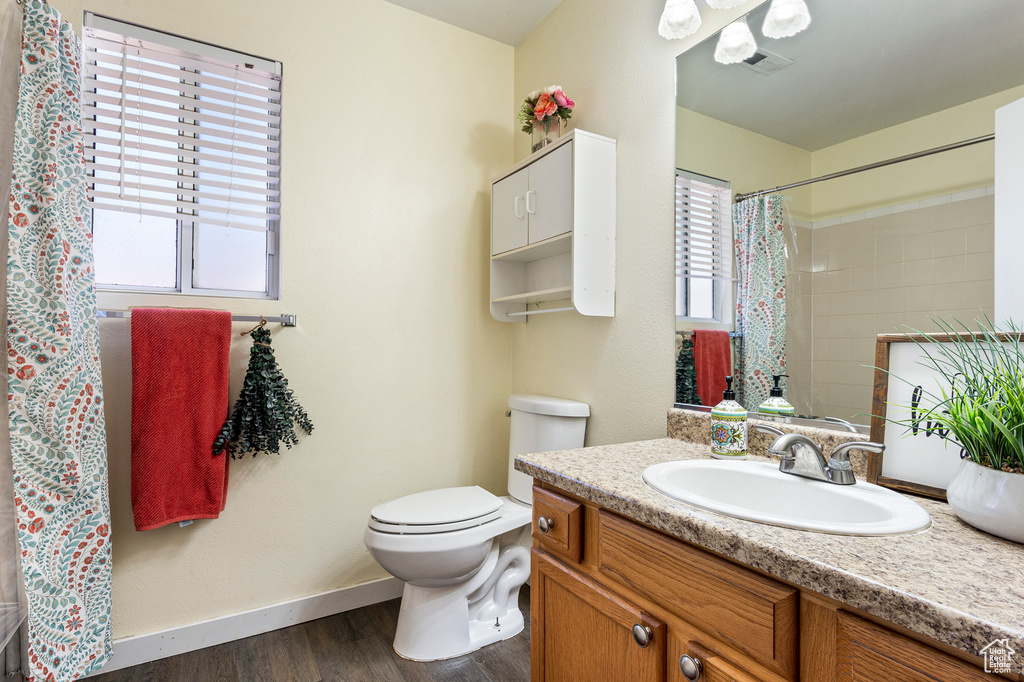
<point x="285" y="320"/>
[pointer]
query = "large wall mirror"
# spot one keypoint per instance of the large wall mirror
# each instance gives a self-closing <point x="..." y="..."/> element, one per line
<point x="872" y="252"/>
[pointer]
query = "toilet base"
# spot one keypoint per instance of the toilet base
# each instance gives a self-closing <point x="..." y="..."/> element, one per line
<point x="478" y="635"/>
<point x="435" y="623"/>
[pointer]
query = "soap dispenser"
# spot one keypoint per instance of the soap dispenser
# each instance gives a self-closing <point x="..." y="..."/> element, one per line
<point x="728" y="426"/>
<point x="776" y="402"/>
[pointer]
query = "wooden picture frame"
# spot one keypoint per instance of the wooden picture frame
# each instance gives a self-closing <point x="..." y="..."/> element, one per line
<point x="880" y="401"/>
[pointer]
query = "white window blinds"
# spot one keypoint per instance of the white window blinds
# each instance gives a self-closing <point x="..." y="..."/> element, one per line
<point x="703" y="230"/>
<point x="173" y="133"/>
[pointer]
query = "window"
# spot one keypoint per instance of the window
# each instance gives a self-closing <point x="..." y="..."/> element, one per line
<point x="703" y="247"/>
<point x="183" y="153"/>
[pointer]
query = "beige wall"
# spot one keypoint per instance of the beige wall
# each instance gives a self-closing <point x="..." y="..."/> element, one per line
<point x="393" y="125"/>
<point x="946" y="173"/>
<point x="748" y="160"/>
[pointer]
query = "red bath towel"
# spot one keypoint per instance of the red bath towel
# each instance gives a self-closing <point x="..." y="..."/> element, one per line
<point x="713" y="360"/>
<point x="179" y="403"/>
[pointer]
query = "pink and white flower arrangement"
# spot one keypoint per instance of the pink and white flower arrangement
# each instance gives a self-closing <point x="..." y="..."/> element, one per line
<point x="544" y="107"/>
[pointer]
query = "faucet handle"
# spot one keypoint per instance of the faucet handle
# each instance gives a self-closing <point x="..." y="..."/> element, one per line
<point x="842" y="452"/>
<point x="840" y="469"/>
<point x="764" y="428"/>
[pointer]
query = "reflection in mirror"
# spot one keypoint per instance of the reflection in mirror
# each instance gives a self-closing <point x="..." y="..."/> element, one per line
<point x="810" y="274"/>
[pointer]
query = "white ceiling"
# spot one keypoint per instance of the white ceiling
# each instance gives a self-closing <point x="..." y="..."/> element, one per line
<point x="507" y="21"/>
<point x="862" y="65"/>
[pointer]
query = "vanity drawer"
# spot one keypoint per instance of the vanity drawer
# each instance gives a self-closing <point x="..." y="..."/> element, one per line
<point x="715" y="668"/>
<point x="754" y="614"/>
<point x="563" y="520"/>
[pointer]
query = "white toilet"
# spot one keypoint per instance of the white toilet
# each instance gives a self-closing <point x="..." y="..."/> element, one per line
<point x="463" y="552"/>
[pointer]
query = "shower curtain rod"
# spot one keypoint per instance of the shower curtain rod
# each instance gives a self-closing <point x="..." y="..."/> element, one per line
<point x="870" y="166"/>
<point x="285" y="320"/>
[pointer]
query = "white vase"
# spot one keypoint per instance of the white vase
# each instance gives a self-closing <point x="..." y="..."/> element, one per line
<point x="990" y="500"/>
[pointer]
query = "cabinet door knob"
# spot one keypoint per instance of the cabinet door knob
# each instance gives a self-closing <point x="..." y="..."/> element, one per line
<point x="544" y="524"/>
<point x="691" y="667"/>
<point x="529" y="210"/>
<point x="515" y="207"/>
<point x="642" y="635"/>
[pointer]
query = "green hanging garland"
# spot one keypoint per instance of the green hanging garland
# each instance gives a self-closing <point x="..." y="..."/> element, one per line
<point x="266" y="412"/>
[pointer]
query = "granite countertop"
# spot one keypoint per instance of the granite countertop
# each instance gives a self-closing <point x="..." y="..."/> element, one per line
<point x="951" y="583"/>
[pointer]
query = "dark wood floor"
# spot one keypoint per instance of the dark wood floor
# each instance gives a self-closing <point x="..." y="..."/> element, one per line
<point x="352" y="647"/>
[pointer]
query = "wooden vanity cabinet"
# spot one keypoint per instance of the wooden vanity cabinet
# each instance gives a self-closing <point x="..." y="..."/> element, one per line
<point x="590" y="592"/>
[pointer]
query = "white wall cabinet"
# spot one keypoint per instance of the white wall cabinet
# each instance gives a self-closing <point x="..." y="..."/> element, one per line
<point x="553" y="231"/>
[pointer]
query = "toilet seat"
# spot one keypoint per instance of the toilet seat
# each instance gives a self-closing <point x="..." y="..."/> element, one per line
<point x="437" y="511"/>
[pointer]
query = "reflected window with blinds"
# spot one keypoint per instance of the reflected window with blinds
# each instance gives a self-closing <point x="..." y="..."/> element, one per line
<point x="183" y="151"/>
<point x="704" y="248"/>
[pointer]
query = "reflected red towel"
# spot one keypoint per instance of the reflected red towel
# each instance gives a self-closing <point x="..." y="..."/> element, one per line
<point x="713" y="359"/>
<point x="179" y="403"/>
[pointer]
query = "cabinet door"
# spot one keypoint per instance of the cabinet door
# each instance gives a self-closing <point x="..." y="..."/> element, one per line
<point x="508" y="212"/>
<point x="870" y="652"/>
<point x="550" y="200"/>
<point x="582" y="632"/>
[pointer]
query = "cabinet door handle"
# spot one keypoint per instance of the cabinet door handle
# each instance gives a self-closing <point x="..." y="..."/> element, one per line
<point x="691" y="667"/>
<point x="529" y="210"/>
<point x="642" y="635"/>
<point x="544" y="524"/>
<point x="518" y="211"/>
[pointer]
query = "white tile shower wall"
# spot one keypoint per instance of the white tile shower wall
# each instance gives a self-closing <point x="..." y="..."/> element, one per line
<point x="887" y="272"/>
<point x="799" y="303"/>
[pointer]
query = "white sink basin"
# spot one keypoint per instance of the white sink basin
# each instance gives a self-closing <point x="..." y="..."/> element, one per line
<point x="758" y="491"/>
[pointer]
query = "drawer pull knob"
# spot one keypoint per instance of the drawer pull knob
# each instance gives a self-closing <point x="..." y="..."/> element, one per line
<point x="691" y="667"/>
<point x="642" y="635"/>
<point x="544" y="524"/>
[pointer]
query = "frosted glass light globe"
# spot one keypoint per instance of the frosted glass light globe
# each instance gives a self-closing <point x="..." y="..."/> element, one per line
<point x="735" y="43"/>
<point x="680" y="19"/>
<point x="786" y="18"/>
<point x="724" y="4"/>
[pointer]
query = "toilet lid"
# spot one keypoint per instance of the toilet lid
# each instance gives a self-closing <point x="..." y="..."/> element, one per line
<point x="470" y="505"/>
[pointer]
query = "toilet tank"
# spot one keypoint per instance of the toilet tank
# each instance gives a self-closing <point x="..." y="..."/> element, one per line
<point x="541" y="423"/>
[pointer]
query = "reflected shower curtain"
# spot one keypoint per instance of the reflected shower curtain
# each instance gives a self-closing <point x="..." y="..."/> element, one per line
<point x="58" y="439"/>
<point x="759" y="233"/>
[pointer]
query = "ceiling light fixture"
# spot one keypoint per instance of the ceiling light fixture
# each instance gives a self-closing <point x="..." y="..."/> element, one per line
<point x="735" y="43"/>
<point x="786" y="18"/>
<point x="724" y="4"/>
<point x="680" y="19"/>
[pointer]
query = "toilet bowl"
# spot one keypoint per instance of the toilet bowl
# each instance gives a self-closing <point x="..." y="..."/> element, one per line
<point x="464" y="552"/>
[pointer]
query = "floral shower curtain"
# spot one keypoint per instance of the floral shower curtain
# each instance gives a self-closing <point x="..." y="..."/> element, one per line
<point x="760" y="295"/>
<point x="58" y="439"/>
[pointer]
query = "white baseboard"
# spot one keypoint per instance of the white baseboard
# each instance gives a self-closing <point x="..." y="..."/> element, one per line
<point x="131" y="651"/>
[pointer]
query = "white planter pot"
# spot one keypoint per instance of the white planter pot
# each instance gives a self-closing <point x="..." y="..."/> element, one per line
<point x="988" y="499"/>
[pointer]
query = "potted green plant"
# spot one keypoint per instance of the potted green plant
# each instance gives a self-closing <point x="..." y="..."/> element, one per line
<point x="983" y="412"/>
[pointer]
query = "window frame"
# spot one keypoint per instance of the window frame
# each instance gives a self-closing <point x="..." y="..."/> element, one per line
<point x="722" y="295"/>
<point x="186" y="232"/>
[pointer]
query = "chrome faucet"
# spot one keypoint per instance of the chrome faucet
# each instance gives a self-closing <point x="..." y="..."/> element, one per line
<point x="801" y="456"/>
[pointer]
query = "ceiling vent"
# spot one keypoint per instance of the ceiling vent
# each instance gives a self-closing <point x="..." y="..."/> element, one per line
<point x="766" y="63"/>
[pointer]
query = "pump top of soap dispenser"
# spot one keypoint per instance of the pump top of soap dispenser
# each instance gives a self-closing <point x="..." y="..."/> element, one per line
<point x="728" y="393"/>
<point x="776" y="391"/>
